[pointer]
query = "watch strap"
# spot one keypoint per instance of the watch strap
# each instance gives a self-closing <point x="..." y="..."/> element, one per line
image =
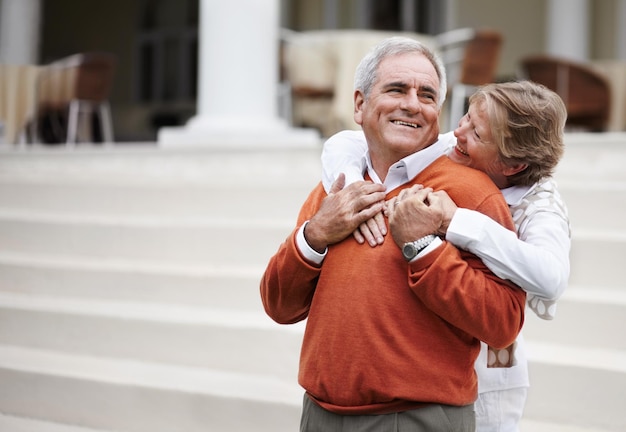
<point x="411" y="249"/>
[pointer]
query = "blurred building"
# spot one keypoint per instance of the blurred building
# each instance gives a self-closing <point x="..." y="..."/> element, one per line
<point x="156" y="41"/>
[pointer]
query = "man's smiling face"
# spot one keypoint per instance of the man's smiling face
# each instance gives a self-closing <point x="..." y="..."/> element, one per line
<point x="401" y="115"/>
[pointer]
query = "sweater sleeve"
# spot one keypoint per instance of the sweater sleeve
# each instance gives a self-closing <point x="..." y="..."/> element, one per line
<point x="460" y="288"/>
<point x="289" y="281"/>
<point x="538" y="263"/>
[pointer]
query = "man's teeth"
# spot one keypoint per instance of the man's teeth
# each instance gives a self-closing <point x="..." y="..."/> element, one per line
<point x="398" y="122"/>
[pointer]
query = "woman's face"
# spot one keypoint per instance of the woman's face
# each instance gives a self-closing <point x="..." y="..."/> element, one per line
<point x="475" y="147"/>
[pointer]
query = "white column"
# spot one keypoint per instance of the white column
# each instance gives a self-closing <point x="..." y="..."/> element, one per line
<point x="19" y="31"/>
<point x="568" y="29"/>
<point x="238" y="79"/>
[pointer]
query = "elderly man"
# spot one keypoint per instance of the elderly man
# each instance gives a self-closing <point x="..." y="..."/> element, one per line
<point x="392" y="331"/>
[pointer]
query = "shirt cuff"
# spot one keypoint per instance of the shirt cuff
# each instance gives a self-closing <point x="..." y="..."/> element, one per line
<point x="307" y="251"/>
<point x="465" y="228"/>
<point x="432" y="246"/>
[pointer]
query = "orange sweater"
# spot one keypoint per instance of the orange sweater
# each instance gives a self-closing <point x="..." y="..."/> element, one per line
<point x="383" y="335"/>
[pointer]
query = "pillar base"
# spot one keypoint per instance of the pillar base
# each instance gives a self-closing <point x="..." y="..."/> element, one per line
<point x="226" y="133"/>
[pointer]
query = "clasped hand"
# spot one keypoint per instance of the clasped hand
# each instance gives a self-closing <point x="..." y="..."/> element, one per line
<point x="342" y="211"/>
<point x="414" y="213"/>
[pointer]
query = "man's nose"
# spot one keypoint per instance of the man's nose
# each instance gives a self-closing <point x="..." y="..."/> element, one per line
<point x="411" y="102"/>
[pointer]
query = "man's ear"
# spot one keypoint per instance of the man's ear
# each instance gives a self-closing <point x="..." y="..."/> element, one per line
<point x="359" y="100"/>
<point x="510" y="170"/>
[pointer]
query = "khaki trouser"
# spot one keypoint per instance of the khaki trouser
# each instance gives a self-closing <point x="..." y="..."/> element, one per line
<point x="432" y="418"/>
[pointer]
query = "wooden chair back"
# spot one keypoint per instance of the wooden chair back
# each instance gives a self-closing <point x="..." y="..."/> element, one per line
<point x="585" y="92"/>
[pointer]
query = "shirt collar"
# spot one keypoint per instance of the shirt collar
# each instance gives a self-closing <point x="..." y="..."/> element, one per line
<point x="513" y="195"/>
<point x="407" y="168"/>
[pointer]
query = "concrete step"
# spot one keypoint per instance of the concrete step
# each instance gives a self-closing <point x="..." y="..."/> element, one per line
<point x="153" y="165"/>
<point x="534" y="425"/>
<point x="181" y="201"/>
<point x="596" y="257"/>
<point x="595" y="205"/>
<point x="20" y="424"/>
<point x="229" y="340"/>
<point x="582" y="387"/>
<point x="233" y="287"/>
<point x="585" y="318"/>
<point x="219" y="241"/>
<point x="123" y="395"/>
<point x="593" y="157"/>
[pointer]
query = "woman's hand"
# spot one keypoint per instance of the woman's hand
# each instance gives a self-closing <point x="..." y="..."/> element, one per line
<point x="373" y="231"/>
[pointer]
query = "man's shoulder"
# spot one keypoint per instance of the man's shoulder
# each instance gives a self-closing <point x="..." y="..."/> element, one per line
<point x="468" y="187"/>
<point x="455" y="173"/>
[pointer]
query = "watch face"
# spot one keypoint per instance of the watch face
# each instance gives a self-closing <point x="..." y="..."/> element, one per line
<point x="409" y="251"/>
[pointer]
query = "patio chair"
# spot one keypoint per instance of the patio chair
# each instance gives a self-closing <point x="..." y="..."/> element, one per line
<point x="471" y="58"/>
<point x="72" y="100"/>
<point x="585" y="92"/>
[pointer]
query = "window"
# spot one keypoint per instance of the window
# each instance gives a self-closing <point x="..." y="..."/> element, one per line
<point x="167" y="51"/>
<point x="421" y="16"/>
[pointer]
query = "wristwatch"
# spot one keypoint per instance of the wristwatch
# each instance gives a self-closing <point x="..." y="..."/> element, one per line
<point x="411" y="249"/>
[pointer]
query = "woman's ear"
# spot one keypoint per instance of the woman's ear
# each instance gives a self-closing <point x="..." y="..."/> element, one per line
<point x="510" y="170"/>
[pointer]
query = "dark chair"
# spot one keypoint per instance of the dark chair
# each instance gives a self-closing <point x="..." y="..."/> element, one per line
<point x="72" y="98"/>
<point x="585" y="92"/>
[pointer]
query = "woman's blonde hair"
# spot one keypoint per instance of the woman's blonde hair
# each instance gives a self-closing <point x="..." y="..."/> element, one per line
<point x="527" y="122"/>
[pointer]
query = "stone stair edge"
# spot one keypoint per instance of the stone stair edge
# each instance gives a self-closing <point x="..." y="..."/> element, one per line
<point x="164" y="376"/>
<point x="143" y="221"/>
<point x="603" y="359"/>
<point x="614" y="295"/>
<point x="68" y="262"/>
<point x="537" y="425"/>
<point x="11" y="423"/>
<point x="184" y="314"/>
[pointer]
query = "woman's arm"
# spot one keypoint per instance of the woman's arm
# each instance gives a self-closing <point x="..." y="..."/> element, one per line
<point x="343" y="152"/>
<point x="538" y="262"/>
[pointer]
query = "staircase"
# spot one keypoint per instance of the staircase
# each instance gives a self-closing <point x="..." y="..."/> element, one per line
<point x="578" y="361"/>
<point x="129" y="292"/>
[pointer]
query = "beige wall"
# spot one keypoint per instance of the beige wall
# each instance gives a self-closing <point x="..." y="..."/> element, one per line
<point x="603" y="29"/>
<point x="522" y="24"/>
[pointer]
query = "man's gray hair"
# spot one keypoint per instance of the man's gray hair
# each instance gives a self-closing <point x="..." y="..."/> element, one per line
<point x="367" y="71"/>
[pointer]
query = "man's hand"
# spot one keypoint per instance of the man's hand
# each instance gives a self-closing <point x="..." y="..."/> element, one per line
<point x="374" y="230"/>
<point x="342" y="211"/>
<point x="417" y="212"/>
